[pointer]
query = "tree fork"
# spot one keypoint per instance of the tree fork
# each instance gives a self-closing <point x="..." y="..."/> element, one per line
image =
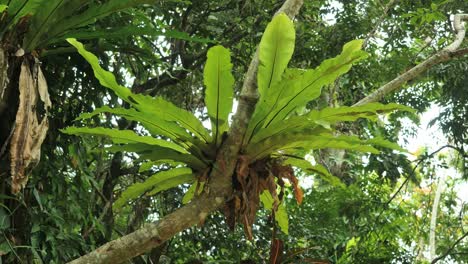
<point x="218" y="191"/>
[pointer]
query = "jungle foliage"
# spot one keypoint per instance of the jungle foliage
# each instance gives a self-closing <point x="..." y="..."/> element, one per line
<point x="274" y="137"/>
<point x="173" y="72"/>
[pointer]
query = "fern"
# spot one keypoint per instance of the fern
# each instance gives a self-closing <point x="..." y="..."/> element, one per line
<point x="218" y="95"/>
<point x="158" y="182"/>
<point x="179" y="138"/>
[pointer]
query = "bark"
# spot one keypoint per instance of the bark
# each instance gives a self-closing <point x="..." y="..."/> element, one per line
<point x="420" y="256"/>
<point x="30" y="124"/>
<point x="445" y="54"/>
<point x="3" y="79"/>
<point x="435" y="207"/>
<point x="219" y="189"/>
<point x="108" y="191"/>
<point x="22" y="130"/>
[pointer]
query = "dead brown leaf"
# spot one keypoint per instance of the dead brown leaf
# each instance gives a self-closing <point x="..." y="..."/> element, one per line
<point x="30" y="132"/>
<point x="287" y="172"/>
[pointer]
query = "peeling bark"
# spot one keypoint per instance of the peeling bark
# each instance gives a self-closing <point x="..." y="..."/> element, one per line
<point x="30" y="127"/>
<point x="218" y="191"/>
<point x="435" y="208"/>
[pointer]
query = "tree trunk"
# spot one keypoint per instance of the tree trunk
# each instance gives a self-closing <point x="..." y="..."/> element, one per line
<point x="435" y="208"/>
<point x="18" y="232"/>
<point x="24" y="103"/>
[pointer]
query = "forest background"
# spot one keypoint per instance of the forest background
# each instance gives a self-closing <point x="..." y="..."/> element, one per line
<point x="58" y="191"/>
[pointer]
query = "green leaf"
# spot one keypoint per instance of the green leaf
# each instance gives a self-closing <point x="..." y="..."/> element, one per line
<point x="154" y="124"/>
<point x="194" y="162"/>
<point x="155" y="154"/>
<point x="306" y="141"/>
<point x="191" y="191"/>
<point x="91" y="14"/>
<point x="5" y="248"/>
<point x="21" y="8"/>
<point x="126" y="31"/>
<point x="51" y="14"/>
<point x="306" y="86"/>
<point x="275" y="51"/>
<point x="320" y="120"/>
<point x="352" y="113"/>
<point x="381" y="142"/>
<point x="281" y="215"/>
<point x="298" y="87"/>
<point x="146" y="166"/>
<point x="267" y="103"/>
<point x="171" y="182"/>
<point x="352" y="243"/>
<point x="158" y="182"/>
<point x="318" y="169"/>
<point x="139" y="148"/>
<point x="123" y="136"/>
<point x="3" y="8"/>
<point x="4" y="218"/>
<point x="296" y="124"/>
<point x="219" y="93"/>
<point x="170" y="112"/>
<point x="105" y="78"/>
<point x="154" y="106"/>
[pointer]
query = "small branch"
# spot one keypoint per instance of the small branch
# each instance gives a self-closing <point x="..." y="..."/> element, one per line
<point x="414" y="169"/>
<point x="151" y="235"/>
<point x="460" y="52"/>
<point x="445" y="54"/>
<point x="378" y="23"/>
<point x="406" y="181"/>
<point x="152" y="86"/>
<point x="100" y="218"/>
<point x="447" y="252"/>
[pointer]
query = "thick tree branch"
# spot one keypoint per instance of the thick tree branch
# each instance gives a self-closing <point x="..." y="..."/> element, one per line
<point x="445" y="54"/>
<point x="219" y="189"/>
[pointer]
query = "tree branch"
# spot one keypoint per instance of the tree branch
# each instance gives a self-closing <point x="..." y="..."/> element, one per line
<point x="378" y="23"/>
<point x="435" y="209"/>
<point x="449" y="249"/>
<point x="445" y="54"/>
<point x="219" y="188"/>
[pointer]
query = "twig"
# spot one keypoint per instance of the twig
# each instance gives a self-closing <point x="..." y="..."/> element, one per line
<point x="408" y="178"/>
<point x="447" y="252"/>
<point x="412" y="172"/>
<point x="379" y="22"/>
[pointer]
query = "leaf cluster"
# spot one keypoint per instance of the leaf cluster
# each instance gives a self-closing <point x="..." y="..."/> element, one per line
<point x="276" y="129"/>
